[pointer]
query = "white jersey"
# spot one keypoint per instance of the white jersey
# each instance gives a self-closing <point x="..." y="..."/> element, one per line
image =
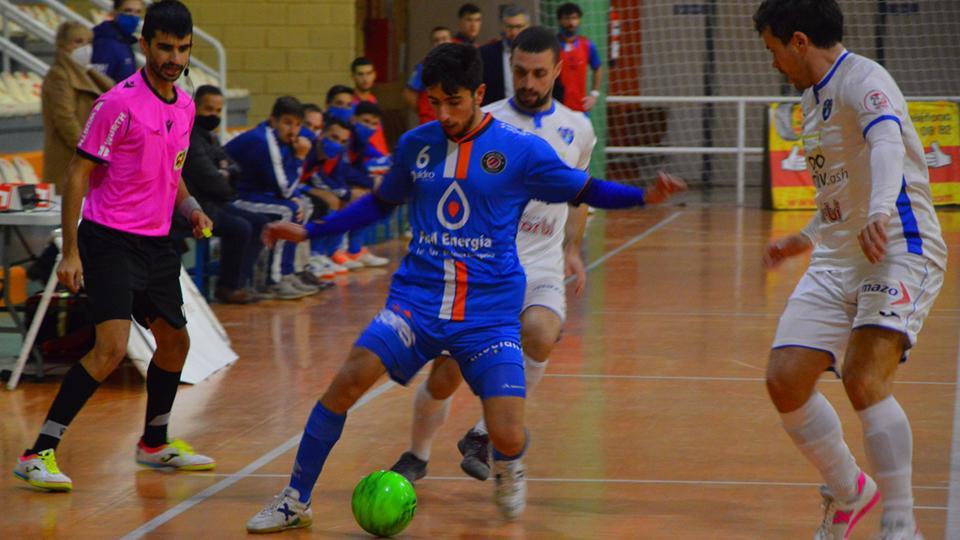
<point x="570" y="133"/>
<point x="854" y="96"/>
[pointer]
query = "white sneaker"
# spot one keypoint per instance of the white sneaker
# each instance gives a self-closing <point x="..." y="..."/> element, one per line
<point x="174" y="455"/>
<point x="331" y="264"/>
<point x="839" y="517"/>
<point x="898" y="529"/>
<point x="284" y="512"/>
<point x="40" y="471"/>
<point x="366" y="258"/>
<point x="344" y="260"/>
<point x="510" y="488"/>
<point x="321" y="267"/>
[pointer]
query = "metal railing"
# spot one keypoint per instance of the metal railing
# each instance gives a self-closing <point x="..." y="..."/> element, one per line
<point x="741" y="150"/>
<point x="28" y="60"/>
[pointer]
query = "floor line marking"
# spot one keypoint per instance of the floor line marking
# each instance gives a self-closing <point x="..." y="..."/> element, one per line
<point x="250" y="469"/>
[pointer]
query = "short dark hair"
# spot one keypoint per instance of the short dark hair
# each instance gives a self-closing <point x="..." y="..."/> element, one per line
<point x="311" y="107"/>
<point x="453" y="66"/>
<point x="117" y="4"/>
<point x="367" y="107"/>
<point x="513" y="10"/>
<point x="206" y="90"/>
<point x="467" y="9"/>
<point x="330" y="120"/>
<point x="169" y="17"/>
<point x="538" y="39"/>
<point x="820" y="20"/>
<point x="359" y="61"/>
<point x="336" y="90"/>
<point x="569" y="9"/>
<point x="287" y="105"/>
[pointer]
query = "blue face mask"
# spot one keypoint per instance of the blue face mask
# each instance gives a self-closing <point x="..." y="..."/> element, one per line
<point x="331" y="148"/>
<point x="127" y="23"/>
<point x="343" y="113"/>
<point x="567" y="33"/>
<point x="363" y="133"/>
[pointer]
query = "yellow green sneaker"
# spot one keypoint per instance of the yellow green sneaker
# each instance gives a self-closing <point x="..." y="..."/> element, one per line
<point x="40" y="471"/>
<point x="174" y="455"/>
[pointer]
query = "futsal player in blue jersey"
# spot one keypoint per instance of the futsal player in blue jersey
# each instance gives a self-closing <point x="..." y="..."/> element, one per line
<point x="467" y="178"/>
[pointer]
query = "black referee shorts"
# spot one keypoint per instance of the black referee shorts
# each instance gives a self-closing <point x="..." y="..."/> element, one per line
<point x="128" y="275"/>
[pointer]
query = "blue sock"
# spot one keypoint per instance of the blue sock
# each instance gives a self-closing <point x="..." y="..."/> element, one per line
<point x="318" y="246"/>
<point x="355" y="241"/>
<point x="497" y="456"/>
<point x="333" y="245"/>
<point x="322" y="431"/>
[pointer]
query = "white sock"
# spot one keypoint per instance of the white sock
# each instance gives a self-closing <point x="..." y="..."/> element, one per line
<point x="532" y="372"/>
<point x="815" y="429"/>
<point x="428" y="415"/>
<point x="889" y="445"/>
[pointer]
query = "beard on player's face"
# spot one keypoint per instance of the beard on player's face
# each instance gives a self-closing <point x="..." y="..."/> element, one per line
<point x="530" y="99"/>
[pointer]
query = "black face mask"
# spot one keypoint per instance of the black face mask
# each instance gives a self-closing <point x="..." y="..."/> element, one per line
<point x="208" y="122"/>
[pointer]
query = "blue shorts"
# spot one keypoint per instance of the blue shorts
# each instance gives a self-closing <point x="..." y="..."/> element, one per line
<point x="488" y="352"/>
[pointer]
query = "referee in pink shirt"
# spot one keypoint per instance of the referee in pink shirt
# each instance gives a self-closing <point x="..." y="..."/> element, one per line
<point x="128" y="165"/>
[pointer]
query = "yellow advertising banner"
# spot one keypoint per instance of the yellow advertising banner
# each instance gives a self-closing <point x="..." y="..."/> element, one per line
<point x="937" y="123"/>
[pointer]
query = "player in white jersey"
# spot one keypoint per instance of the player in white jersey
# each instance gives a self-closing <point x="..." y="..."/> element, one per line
<point x="548" y="244"/>
<point x="877" y="265"/>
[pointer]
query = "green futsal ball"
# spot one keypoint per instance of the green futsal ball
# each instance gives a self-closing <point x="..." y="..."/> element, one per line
<point x="384" y="503"/>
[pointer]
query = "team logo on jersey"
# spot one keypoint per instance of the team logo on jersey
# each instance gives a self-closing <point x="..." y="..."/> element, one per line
<point x="876" y="101"/>
<point x="827" y="109"/>
<point x="493" y="162"/>
<point x="453" y="210"/>
<point x="566" y="134"/>
<point x="181" y="158"/>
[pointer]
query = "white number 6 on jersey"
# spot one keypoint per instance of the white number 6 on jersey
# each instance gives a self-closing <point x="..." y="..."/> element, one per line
<point x="423" y="159"/>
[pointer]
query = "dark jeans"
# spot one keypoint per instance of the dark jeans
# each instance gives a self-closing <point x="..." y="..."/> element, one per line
<point x="240" y="244"/>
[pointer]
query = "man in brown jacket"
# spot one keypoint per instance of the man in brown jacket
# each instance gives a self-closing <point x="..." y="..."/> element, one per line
<point x="69" y="90"/>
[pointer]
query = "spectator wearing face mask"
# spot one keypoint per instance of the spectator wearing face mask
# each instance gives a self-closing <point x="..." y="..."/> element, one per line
<point x="69" y="90"/>
<point x="327" y="178"/>
<point x="367" y="153"/>
<point x="313" y="119"/>
<point x="208" y="173"/>
<point x="113" y="40"/>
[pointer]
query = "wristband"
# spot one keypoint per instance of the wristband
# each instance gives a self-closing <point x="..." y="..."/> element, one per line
<point x="187" y="206"/>
<point x="595" y="93"/>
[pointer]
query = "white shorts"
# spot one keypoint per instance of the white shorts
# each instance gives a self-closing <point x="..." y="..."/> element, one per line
<point x="546" y="289"/>
<point x="828" y="304"/>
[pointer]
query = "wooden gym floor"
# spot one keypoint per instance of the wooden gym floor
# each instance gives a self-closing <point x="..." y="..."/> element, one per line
<point x="652" y="422"/>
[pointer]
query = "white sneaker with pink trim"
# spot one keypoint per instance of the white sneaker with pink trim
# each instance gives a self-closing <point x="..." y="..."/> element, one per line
<point x="839" y="517"/>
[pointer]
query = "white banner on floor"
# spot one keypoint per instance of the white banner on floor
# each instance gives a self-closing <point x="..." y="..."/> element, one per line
<point x="209" y="344"/>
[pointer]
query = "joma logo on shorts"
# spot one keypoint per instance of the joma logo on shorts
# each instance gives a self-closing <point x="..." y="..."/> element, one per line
<point x="399" y="325"/>
<point x="880" y="288"/>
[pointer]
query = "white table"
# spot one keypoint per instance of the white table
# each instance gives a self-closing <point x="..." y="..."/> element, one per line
<point x="10" y="223"/>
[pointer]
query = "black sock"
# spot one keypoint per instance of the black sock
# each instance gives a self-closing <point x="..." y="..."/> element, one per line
<point x="76" y="389"/>
<point x="161" y="390"/>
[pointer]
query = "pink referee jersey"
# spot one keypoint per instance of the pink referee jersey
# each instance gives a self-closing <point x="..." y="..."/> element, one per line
<point x="139" y="142"/>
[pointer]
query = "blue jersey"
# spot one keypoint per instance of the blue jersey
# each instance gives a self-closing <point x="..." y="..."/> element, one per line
<point x="266" y="165"/>
<point x="466" y="199"/>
